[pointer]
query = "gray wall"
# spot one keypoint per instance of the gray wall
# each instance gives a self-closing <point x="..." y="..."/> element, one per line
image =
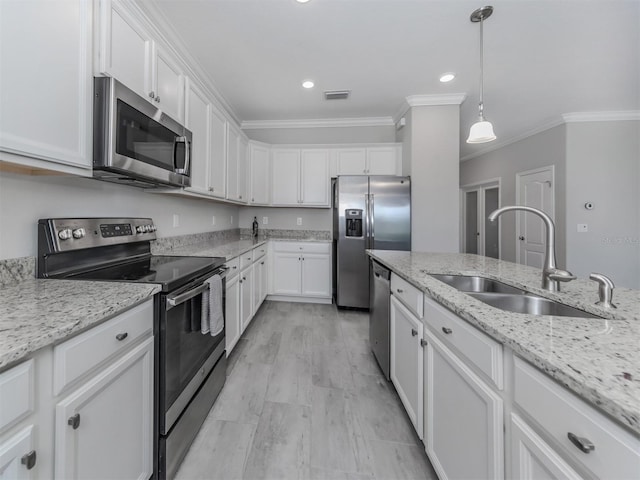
<point x="323" y="135"/>
<point x="540" y="150"/>
<point x="603" y="167"/>
<point x="431" y="136"/>
<point x="286" y="218"/>
<point x="24" y="199"/>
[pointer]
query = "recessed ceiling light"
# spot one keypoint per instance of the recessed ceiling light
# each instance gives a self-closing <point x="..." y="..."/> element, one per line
<point x="302" y="1"/>
<point x="447" y="77"/>
<point x="307" y="84"/>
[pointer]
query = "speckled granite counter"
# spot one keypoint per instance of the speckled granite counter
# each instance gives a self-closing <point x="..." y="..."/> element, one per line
<point x="36" y="313"/>
<point x="591" y="357"/>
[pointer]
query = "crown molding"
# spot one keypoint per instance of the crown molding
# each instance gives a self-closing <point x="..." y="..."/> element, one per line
<point x="319" y="123"/>
<point x="428" y="101"/>
<point x="601" y="116"/>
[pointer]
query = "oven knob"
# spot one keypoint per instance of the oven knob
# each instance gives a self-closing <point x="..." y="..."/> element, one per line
<point x="79" y="233"/>
<point x="147" y="228"/>
<point x="64" y="234"/>
<point x="153" y="228"/>
<point x="140" y="229"/>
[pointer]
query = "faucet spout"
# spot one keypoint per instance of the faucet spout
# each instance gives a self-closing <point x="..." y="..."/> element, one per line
<point x="551" y="275"/>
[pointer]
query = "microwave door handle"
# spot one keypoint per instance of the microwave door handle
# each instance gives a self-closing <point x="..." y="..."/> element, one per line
<point x="187" y="155"/>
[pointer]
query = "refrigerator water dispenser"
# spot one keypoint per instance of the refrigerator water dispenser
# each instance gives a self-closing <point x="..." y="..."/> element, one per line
<point x="354" y="222"/>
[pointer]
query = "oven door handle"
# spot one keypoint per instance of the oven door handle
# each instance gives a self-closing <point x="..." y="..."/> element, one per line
<point x="175" y="300"/>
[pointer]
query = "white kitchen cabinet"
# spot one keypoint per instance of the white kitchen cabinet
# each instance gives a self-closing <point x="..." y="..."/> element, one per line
<point x="15" y="453"/>
<point x="463" y="418"/>
<point x="260" y="179"/>
<point x="374" y="160"/>
<point x="382" y="160"/>
<point x="532" y="458"/>
<point x="351" y="161"/>
<point x="264" y="278"/>
<point x="302" y="269"/>
<point x="167" y="84"/>
<point x="46" y="99"/>
<point x="257" y="286"/>
<point x="314" y="177"/>
<point x="300" y="177"/>
<point x="232" y="313"/>
<point x="287" y="270"/>
<point x="316" y="275"/>
<point x="407" y="361"/>
<point x="246" y="297"/>
<point x="285" y="175"/>
<point x="218" y="153"/>
<point x="243" y="172"/>
<point x="198" y="116"/>
<point x="236" y="165"/>
<point x="93" y="421"/>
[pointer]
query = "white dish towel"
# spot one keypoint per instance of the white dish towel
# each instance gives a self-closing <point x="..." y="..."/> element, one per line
<point x="212" y="315"/>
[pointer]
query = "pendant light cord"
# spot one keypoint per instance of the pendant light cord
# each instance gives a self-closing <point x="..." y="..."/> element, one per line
<point x="481" y="106"/>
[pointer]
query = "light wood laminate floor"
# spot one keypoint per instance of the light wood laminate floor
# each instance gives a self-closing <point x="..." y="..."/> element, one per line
<point x="305" y="399"/>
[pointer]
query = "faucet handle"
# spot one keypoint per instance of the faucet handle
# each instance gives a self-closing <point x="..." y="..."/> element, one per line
<point x="605" y="290"/>
<point x="561" y="275"/>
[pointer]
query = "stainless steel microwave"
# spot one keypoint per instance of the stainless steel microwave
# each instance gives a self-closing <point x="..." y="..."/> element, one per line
<point x="134" y="142"/>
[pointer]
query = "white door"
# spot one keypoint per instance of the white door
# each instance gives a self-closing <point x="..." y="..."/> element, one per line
<point x="257" y="286"/>
<point x="169" y="85"/>
<point x="233" y="159"/>
<point x="464" y="437"/>
<point x="243" y="176"/>
<point x="260" y="178"/>
<point x="316" y="275"/>
<point x="246" y="297"/>
<point x="351" y="161"/>
<point x="232" y="313"/>
<point x="381" y="161"/>
<point x="287" y="273"/>
<point x="532" y="458"/>
<point x="535" y="188"/>
<point x="479" y="235"/>
<point x="264" y="281"/>
<point x="197" y="116"/>
<point x="314" y="174"/>
<point x="406" y="359"/>
<point x="218" y="149"/>
<point x="115" y="405"/>
<point x="286" y="177"/>
<point x="12" y="451"/>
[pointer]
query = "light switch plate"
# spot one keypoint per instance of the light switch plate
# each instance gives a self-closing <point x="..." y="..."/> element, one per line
<point x="176" y="220"/>
<point x="213" y="219"/>
<point x="583" y="227"/>
<point x="299" y="221"/>
<point x="265" y="220"/>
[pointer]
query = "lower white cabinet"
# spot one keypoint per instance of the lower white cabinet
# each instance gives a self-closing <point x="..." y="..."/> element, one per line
<point x="463" y="420"/>
<point x="302" y="269"/>
<point x="406" y="339"/>
<point x="259" y="282"/>
<point x="232" y="313"/>
<point x="104" y="429"/>
<point x="246" y="297"/>
<point x="264" y="278"/>
<point x="17" y="456"/>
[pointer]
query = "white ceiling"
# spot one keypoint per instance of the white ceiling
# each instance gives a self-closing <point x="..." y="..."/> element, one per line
<point x="542" y="58"/>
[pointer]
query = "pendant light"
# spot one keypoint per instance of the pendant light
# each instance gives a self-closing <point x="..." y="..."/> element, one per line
<point x="482" y="130"/>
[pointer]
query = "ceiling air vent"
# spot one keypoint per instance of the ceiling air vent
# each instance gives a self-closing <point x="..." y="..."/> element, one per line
<point x="336" y="94"/>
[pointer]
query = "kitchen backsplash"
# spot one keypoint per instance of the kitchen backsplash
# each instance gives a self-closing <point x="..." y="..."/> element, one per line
<point x="292" y="234"/>
<point x="14" y="270"/>
<point x="169" y="243"/>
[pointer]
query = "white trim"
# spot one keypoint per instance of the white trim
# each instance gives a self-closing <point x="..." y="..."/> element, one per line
<point x="319" y="123"/>
<point x="480" y="187"/>
<point x="601" y="116"/>
<point x="433" y="100"/>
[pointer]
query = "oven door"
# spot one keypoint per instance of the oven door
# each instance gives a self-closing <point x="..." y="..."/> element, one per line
<point x="186" y="355"/>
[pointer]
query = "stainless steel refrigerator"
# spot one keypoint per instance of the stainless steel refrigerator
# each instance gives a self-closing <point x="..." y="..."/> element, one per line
<point x="368" y="213"/>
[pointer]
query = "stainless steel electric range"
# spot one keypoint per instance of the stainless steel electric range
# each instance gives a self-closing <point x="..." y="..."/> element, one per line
<point x="190" y="367"/>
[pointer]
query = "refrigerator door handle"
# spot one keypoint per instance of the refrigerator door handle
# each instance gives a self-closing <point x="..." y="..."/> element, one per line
<point x="372" y="230"/>
<point x="367" y="238"/>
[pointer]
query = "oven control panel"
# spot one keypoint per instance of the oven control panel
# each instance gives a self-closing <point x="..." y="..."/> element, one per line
<point x="64" y="234"/>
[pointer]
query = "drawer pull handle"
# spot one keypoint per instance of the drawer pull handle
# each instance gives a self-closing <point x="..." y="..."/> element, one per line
<point x="414" y="332"/>
<point x="423" y="342"/>
<point x="234" y="267"/>
<point x="399" y="290"/>
<point x="74" y="421"/>
<point x="121" y="336"/>
<point x="447" y="331"/>
<point x="582" y="443"/>
<point x="29" y="459"/>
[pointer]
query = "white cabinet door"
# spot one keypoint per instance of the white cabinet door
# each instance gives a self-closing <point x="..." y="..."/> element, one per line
<point x="381" y="161"/>
<point x="92" y="422"/>
<point x="233" y="158"/>
<point x="168" y="85"/>
<point x="532" y="458"/>
<point x="218" y="148"/>
<point x="246" y="297"/>
<point x="243" y="177"/>
<point x="285" y="177"/>
<point x="287" y="273"/>
<point x="257" y="286"/>
<point x="264" y="278"/>
<point x="314" y="177"/>
<point x="47" y="88"/>
<point x="464" y="420"/>
<point x="232" y="314"/>
<point x="197" y="120"/>
<point x="406" y="355"/>
<point x="316" y="275"/>
<point x="260" y="178"/>
<point x="351" y="161"/>
<point x="12" y="451"/>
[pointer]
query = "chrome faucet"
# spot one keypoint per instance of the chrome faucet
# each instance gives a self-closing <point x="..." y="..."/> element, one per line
<point x="551" y="274"/>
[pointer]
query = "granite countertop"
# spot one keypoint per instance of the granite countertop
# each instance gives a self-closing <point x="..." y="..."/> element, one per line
<point x="36" y="313"/>
<point x="598" y="359"/>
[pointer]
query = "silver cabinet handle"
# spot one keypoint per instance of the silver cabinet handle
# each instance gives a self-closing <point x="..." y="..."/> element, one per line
<point x="447" y="331"/>
<point x="261" y="263"/>
<point x="157" y="99"/>
<point x="29" y="459"/>
<point x="423" y="342"/>
<point x="152" y="94"/>
<point x="584" y="444"/>
<point x="399" y="290"/>
<point x="414" y="332"/>
<point x="74" y="421"/>
<point x="521" y="238"/>
<point x="121" y="336"/>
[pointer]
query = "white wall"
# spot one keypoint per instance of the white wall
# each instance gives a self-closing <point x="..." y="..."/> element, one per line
<point x="540" y="150"/>
<point x="603" y="167"/>
<point x="286" y="218"/>
<point x="24" y="199"/>
<point x="323" y="135"/>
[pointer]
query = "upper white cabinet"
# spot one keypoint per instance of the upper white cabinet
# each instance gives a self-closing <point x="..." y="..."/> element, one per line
<point x="351" y="161"/>
<point x="378" y="160"/>
<point x="198" y="114"/>
<point x="218" y="146"/>
<point x="236" y="165"/>
<point x="167" y="84"/>
<point x="47" y="86"/>
<point x="260" y="175"/>
<point x="300" y="177"/>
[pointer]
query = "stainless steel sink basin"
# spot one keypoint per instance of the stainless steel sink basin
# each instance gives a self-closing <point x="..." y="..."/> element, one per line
<point x="477" y="284"/>
<point x="528" y="303"/>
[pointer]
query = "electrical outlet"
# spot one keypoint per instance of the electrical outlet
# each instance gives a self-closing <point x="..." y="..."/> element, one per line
<point x="299" y="221"/>
<point x="176" y="220"/>
<point x="265" y="220"/>
<point x="231" y="220"/>
<point x="213" y="219"/>
<point x="583" y="227"/>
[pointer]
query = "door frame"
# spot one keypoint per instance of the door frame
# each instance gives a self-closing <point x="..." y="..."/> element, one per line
<point x="479" y="186"/>
<point x="552" y="214"/>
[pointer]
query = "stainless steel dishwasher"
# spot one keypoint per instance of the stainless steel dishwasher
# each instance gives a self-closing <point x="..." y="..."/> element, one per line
<point x="379" y="315"/>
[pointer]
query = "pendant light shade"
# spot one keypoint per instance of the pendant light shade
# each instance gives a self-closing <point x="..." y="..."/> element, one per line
<point x="482" y="130"/>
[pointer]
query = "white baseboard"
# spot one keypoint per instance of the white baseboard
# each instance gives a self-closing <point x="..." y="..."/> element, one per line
<point x="288" y="298"/>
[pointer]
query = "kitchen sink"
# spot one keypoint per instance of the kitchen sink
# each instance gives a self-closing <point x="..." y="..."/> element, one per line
<point x="477" y="284"/>
<point x="528" y="303"/>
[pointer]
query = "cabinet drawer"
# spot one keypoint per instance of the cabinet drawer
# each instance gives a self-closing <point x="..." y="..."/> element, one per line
<point x="259" y="252"/>
<point x="75" y="357"/>
<point x="559" y="412"/>
<point x="246" y="259"/>
<point x="304" y="247"/>
<point x="16" y="394"/>
<point x="234" y="267"/>
<point x="482" y="351"/>
<point x="407" y="294"/>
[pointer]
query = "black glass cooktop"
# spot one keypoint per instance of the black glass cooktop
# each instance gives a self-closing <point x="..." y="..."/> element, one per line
<point x="168" y="271"/>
